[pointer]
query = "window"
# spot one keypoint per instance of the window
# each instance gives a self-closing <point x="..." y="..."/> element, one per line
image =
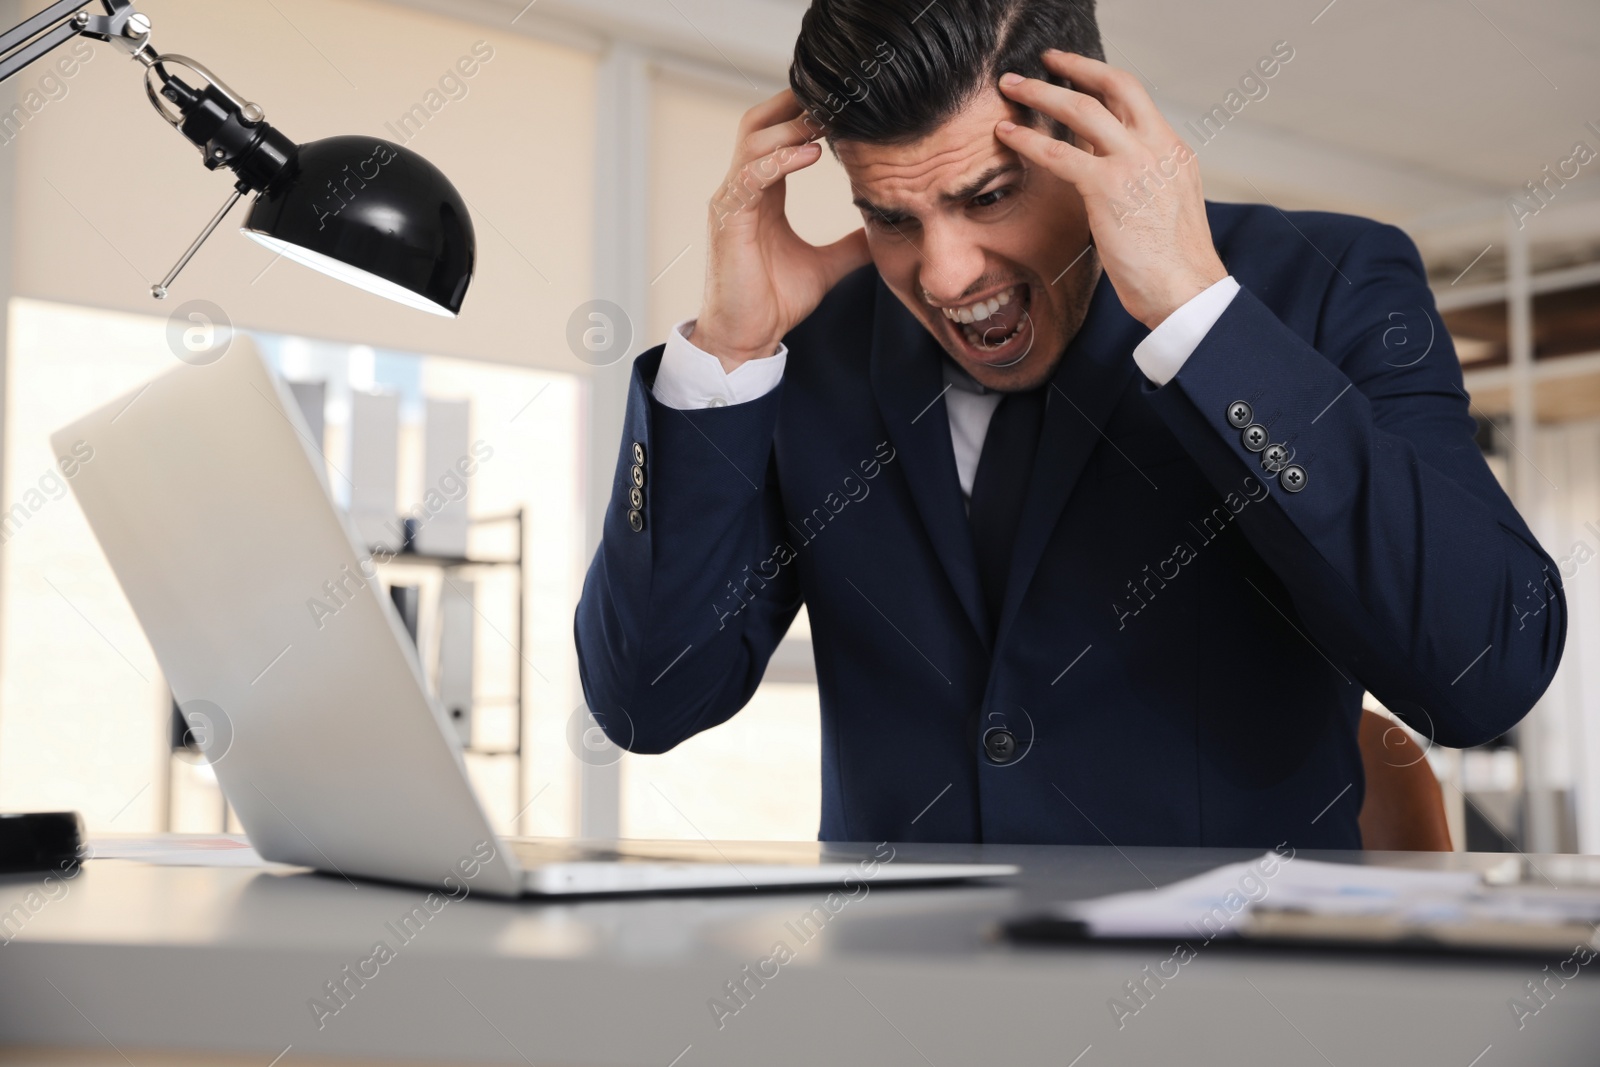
<point x="84" y="712"/>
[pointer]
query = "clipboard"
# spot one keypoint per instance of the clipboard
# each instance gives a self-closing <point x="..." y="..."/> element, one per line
<point x="1280" y="902"/>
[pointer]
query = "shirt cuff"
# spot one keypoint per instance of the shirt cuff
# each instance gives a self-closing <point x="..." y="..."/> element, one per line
<point x="690" y="377"/>
<point x="1162" y="355"/>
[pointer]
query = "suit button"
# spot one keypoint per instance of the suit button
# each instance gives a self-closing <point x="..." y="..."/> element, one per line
<point x="637" y="473"/>
<point x="638" y="453"/>
<point x="636" y="498"/>
<point x="1254" y="437"/>
<point x="1275" y="458"/>
<point x="1293" y="478"/>
<point x="1000" y="745"/>
<point x="635" y="520"/>
<point x="1239" y="414"/>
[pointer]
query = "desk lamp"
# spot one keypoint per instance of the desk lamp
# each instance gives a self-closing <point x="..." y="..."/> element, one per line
<point x="361" y="209"/>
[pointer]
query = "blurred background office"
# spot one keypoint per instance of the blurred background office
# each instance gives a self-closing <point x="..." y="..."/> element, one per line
<point x="586" y="137"/>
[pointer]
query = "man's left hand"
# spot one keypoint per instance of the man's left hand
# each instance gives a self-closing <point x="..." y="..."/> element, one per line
<point x="1139" y="181"/>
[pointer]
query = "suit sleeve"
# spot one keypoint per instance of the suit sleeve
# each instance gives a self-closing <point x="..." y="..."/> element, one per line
<point x="684" y="602"/>
<point x="1403" y="557"/>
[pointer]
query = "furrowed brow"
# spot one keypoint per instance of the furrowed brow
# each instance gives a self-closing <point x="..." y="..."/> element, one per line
<point x="894" y="216"/>
<point x="974" y="187"/>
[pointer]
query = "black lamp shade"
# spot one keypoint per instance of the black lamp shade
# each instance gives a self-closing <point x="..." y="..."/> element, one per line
<point x="373" y="214"/>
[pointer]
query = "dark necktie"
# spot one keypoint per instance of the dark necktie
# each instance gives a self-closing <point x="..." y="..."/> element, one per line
<point x="1000" y="488"/>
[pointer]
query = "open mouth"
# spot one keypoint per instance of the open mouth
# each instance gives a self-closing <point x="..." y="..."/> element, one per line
<point x="996" y="330"/>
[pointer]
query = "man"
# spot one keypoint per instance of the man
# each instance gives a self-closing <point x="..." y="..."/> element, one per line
<point x="1106" y="502"/>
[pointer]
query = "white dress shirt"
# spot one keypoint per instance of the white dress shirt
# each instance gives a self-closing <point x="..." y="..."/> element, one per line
<point x="690" y="377"/>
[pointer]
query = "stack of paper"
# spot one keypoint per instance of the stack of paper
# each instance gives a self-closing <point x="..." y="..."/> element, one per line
<point x="178" y="850"/>
<point x="1278" y="896"/>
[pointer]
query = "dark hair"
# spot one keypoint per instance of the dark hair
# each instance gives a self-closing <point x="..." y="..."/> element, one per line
<point x="893" y="71"/>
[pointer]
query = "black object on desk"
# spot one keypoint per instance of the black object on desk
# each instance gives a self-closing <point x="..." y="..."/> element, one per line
<point x="41" y="840"/>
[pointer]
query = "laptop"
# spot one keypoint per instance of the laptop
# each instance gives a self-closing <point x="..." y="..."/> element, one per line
<point x="211" y="502"/>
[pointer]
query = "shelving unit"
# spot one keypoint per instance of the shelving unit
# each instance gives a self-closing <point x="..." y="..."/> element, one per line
<point x="1520" y="302"/>
<point x="455" y="564"/>
<point x="446" y="565"/>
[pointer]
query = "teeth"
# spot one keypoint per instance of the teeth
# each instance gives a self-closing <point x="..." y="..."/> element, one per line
<point x="981" y="310"/>
<point x="976" y="339"/>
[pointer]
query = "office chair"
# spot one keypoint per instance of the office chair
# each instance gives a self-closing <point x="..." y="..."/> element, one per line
<point x="1404" y="806"/>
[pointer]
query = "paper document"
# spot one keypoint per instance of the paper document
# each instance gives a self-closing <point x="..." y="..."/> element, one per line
<point x="178" y="850"/>
<point x="1279" y="896"/>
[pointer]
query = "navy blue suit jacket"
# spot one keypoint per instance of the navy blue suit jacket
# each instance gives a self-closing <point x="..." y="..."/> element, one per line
<point x="1184" y="643"/>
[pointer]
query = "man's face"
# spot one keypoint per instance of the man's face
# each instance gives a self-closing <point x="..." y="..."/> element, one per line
<point x="978" y="244"/>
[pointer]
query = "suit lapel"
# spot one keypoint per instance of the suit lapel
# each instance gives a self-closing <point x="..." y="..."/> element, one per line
<point x="908" y="384"/>
<point x="1094" y="373"/>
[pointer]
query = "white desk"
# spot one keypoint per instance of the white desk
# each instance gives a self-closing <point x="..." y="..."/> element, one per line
<point x="160" y="965"/>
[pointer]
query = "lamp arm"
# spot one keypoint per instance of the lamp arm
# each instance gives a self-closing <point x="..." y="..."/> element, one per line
<point x="228" y="130"/>
<point x="17" y="58"/>
<point x="37" y="36"/>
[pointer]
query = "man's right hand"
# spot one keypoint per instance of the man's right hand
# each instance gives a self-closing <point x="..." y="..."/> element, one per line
<point x="762" y="279"/>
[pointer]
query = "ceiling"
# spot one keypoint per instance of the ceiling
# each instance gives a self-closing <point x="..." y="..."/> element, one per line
<point x="1472" y="97"/>
<point x="1415" y="111"/>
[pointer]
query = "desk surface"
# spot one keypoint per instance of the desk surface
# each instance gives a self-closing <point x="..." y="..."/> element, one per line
<point x="132" y="957"/>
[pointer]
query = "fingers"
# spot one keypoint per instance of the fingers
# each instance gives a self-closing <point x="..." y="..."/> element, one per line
<point x="750" y="184"/>
<point x="782" y="117"/>
<point x="1082" y="113"/>
<point x="771" y="111"/>
<point x="1067" y="162"/>
<point x="765" y="141"/>
<point x="778" y="164"/>
<point x="774" y="140"/>
<point x="846" y="254"/>
<point x="1122" y="93"/>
